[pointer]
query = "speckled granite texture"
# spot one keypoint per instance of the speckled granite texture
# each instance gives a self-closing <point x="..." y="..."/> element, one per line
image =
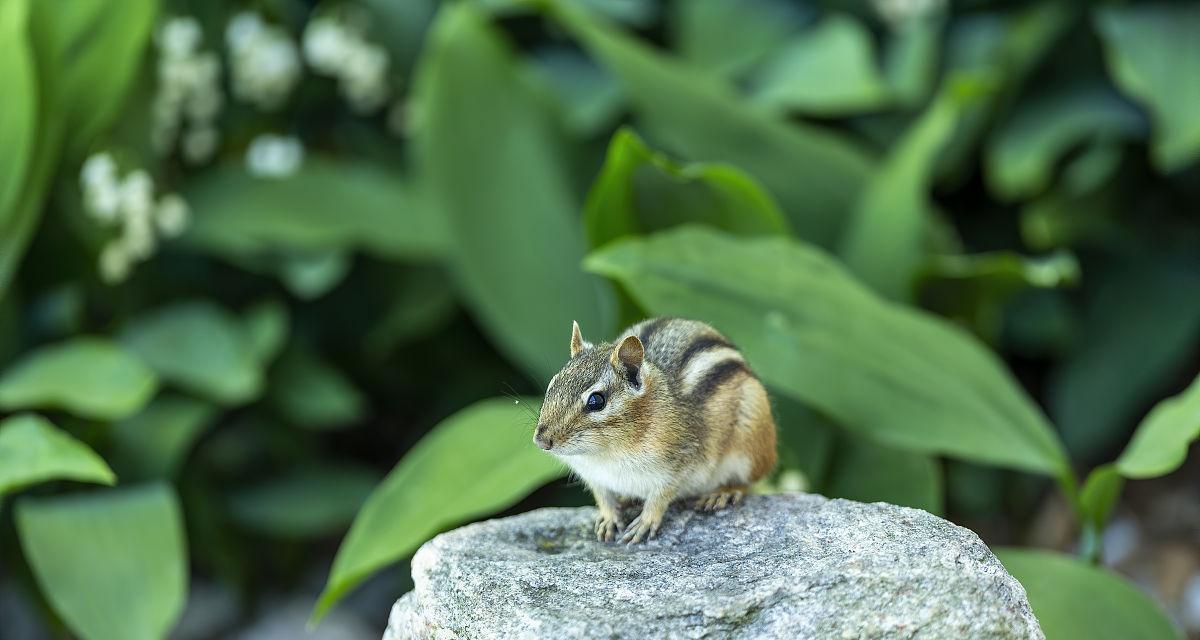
<point x="784" y="566"/>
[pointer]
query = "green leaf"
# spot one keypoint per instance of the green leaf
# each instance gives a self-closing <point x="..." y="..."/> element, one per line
<point x="18" y="111"/>
<point x="312" y="394"/>
<point x="1099" y="495"/>
<point x="827" y="70"/>
<point x="814" y="173"/>
<point x="112" y="563"/>
<point x="85" y="60"/>
<point x="310" y="276"/>
<point x="422" y="301"/>
<point x="312" y="501"/>
<point x="729" y="38"/>
<point x="1153" y="55"/>
<point x="976" y="289"/>
<point x="869" y="472"/>
<point x="889" y="232"/>
<point x="1138" y="335"/>
<point x="33" y="451"/>
<point x="155" y="442"/>
<point x="1161" y="441"/>
<point x="90" y="377"/>
<point x="492" y="164"/>
<point x="199" y="347"/>
<point x="587" y="94"/>
<point x="1020" y="157"/>
<point x="266" y="325"/>
<point x="1074" y="600"/>
<point x="103" y="59"/>
<point x="326" y="205"/>
<point x="898" y="376"/>
<point x="1005" y="48"/>
<point x="640" y="191"/>
<point x="910" y="63"/>
<point x="476" y="462"/>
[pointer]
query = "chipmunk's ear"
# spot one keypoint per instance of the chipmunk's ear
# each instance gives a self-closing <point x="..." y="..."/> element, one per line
<point x="577" y="343"/>
<point x="627" y="360"/>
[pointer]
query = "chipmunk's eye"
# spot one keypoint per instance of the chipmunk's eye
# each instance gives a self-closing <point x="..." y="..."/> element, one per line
<point x="595" y="402"/>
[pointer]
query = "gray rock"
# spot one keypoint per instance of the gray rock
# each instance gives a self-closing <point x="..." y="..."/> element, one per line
<point x="783" y="566"/>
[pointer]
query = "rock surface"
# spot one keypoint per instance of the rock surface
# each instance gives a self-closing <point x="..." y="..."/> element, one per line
<point x="784" y="566"/>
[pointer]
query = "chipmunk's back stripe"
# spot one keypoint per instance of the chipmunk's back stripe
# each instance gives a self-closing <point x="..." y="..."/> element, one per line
<point x="700" y="345"/>
<point x="650" y="329"/>
<point x="718" y="375"/>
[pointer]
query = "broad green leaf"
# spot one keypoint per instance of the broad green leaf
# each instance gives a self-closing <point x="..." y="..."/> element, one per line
<point x="896" y="375"/>
<point x="868" y="472"/>
<point x="1020" y="157"/>
<point x="111" y="563"/>
<point x="640" y="191"/>
<point x="729" y="37"/>
<point x="266" y="325"/>
<point x="313" y="500"/>
<point x="827" y="70"/>
<point x="1154" y="56"/>
<point x="325" y="205"/>
<point x="103" y="58"/>
<point x="1161" y="441"/>
<point x="33" y="451"/>
<point x="1138" y="334"/>
<point x="889" y="231"/>
<point x="154" y="443"/>
<point x="312" y="394"/>
<point x="814" y="173"/>
<point x="18" y="111"/>
<point x="476" y="462"/>
<point x="491" y="162"/>
<point x="90" y="377"/>
<point x="1073" y="600"/>
<point x="85" y="60"/>
<point x="199" y="347"/>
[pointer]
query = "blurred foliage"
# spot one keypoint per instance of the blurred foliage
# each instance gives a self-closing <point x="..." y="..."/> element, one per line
<point x="960" y="243"/>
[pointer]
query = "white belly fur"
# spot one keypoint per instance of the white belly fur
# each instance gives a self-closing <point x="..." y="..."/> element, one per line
<point x="643" y="476"/>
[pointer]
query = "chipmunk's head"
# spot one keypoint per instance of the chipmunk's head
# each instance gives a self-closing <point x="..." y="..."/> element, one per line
<point x="593" y="404"/>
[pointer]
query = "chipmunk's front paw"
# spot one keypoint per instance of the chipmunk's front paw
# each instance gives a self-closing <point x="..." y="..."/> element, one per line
<point x="608" y="527"/>
<point x="642" y="528"/>
<point x="720" y="499"/>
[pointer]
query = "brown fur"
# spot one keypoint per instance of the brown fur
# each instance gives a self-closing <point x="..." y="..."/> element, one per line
<point x="684" y="416"/>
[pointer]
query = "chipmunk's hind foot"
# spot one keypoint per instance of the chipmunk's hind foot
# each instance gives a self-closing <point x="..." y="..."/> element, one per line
<point x="721" y="498"/>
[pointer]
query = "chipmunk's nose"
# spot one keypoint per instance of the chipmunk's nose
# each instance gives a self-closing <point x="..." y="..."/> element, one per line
<point x="540" y="438"/>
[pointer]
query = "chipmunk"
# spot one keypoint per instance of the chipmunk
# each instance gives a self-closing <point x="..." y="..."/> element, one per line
<point x="670" y="410"/>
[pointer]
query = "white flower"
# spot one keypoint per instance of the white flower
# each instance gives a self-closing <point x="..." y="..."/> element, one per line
<point x="265" y="61"/>
<point x="333" y="48"/>
<point x="189" y="89"/>
<point x="114" y="263"/>
<point x="325" y="45"/>
<point x="272" y="156"/>
<point x="99" y="169"/>
<point x="179" y="37"/>
<point x="129" y="205"/>
<point x="137" y="194"/>
<point x="172" y="215"/>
